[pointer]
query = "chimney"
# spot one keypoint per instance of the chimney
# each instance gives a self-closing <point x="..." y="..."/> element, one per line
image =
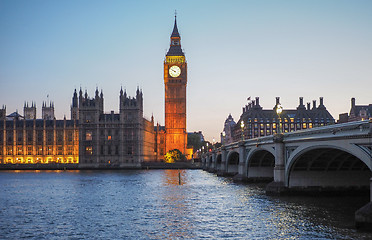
<point x="314" y="104"/>
<point x="308" y="106"/>
<point x="352" y="102"/>
<point x="257" y="101"/>
<point x="321" y="101"/>
<point x="277" y="100"/>
<point x="301" y="101"/>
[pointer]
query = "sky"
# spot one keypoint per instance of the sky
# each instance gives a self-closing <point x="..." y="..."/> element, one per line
<point x="234" y="49"/>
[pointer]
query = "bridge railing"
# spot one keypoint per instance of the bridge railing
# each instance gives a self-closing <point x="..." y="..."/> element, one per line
<point x="357" y="127"/>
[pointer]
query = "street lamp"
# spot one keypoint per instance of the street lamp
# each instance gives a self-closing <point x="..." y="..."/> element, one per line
<point x="223" y="137"/>
<point x="242" y="127"/>
<point x="279" y="110"/>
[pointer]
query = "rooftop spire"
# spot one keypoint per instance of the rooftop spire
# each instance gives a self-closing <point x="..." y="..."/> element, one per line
<point x="175" y="46"/>
<point x="175" y="29"/>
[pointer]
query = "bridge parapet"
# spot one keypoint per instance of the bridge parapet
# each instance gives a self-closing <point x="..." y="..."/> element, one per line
<point x="350" y="129"/>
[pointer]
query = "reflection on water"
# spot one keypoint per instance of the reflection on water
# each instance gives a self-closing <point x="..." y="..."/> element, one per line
<point x="153" y="205"/>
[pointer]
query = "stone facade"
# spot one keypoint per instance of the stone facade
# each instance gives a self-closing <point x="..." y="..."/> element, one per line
<point x="258" y="122"/>
<point x="357" y="113"/>
<point x="32" y="141"/>
<point x="175" y="81"/>
<point x="123" y="139"/>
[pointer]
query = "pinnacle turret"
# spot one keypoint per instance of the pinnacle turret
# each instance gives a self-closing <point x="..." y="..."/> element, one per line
<point x="175" y="46"/>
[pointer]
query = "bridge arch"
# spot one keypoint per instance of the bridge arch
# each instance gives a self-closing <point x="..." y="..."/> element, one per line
<point x="209" y="161"/>
<point x="260" y="163"/>
<point x="328" y="166"/>
<point x="232" y="162"/>
<point x="219" y="161"/>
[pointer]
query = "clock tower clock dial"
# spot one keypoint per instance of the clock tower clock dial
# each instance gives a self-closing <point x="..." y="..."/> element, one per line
<point x="174" y="71"/>
<point x="175" y="80"/>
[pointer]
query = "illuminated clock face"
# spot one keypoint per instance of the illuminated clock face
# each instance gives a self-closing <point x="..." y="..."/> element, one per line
<point x="174" y="71"/>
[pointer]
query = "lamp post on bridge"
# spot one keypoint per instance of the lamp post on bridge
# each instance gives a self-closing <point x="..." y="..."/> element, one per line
<point x="279" y="110"/>
<point x="242" y="127"/>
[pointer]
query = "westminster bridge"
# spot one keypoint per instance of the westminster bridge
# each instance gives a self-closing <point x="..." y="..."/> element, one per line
<point x="331" y="158"/>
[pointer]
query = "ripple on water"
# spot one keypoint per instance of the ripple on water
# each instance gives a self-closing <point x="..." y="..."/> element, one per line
<point x="152" y="205"/>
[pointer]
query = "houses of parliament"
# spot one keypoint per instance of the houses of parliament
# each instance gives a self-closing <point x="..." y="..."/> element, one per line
<point x="93" y="138"/>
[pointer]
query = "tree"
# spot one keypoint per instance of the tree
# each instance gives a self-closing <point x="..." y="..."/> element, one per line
<point x="174" y="155"/>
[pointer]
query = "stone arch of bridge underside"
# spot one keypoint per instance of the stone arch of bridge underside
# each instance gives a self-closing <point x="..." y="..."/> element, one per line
<point x="329" y="168"/>
<point x="209" y="161"/>
<point x="260" y="164"/>
<point x="219" y="162"/>
<point x="232" y="163"/>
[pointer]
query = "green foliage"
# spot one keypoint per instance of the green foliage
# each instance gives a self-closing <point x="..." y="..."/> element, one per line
<point x="174" y="155"/>
<point x="193" y="139"/>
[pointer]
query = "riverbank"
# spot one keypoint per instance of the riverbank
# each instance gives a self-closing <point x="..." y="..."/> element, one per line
<point x="71" y="166"/>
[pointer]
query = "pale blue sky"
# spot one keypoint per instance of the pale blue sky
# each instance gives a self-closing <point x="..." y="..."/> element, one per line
<point x="234" y="49"/>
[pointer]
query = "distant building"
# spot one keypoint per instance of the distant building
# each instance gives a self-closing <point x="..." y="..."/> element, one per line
<point x="123" y="139"/>
<point x="357" y="113"/>
<point x="27" y="140"/>
<point x="258" y="122"/>
<point x="173" y="134"/>
<point x="93" y="138"/>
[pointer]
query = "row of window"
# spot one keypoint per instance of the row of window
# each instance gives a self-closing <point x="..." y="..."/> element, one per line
<point x="292" y="120"/>
<point x="39" y="150"/>
<point x="108" y="150"/>
<point x="89" y="136"/>
<point x="20" y="137"/>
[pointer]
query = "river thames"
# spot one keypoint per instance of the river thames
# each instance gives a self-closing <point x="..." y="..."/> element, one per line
<point x="153" y="205"/>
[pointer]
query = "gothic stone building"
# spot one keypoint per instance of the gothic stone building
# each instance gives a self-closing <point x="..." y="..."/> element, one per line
<point x="27" y="140"/>
<point x="258" y="122"/>
<point x="123" y="139"/>
<point x="357" y="113"/>
<point x="174" y="135"/>
<point x="93" y="138"/>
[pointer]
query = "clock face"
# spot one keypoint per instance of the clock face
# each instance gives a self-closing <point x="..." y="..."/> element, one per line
<point x="174" y="71"/>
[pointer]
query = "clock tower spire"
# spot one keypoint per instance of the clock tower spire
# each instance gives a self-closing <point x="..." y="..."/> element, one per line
<point x="175" y="81"/>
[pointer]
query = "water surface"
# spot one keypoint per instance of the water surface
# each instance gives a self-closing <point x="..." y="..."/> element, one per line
<point x="153" y="205"/>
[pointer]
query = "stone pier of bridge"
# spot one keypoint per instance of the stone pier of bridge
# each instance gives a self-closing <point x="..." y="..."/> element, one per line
<point x="335" y="158"/>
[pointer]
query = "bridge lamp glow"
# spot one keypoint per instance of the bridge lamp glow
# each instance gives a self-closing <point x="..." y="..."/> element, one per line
<point x="279" y="110"/>
<point x="242" y="127"/>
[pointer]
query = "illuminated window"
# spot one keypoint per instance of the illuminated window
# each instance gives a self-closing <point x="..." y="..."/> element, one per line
<point x="40" y="150"/>
<point x="29" y="150"/>
<point x="108" y="137"/>
<point x="9" y="150"/>
<point x="88" y="150"/>
<point x="19" y="151"/>
<point x="50" y="150"/>
<point x="310" y="125"/>
<point x="59" y="150"/>
<point x="88" y="136"/>
<point x="69" y="150"/>
<point x="304" y="125"/>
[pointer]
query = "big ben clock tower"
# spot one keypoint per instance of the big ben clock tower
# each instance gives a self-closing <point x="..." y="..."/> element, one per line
<point x="175" y="81"/>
